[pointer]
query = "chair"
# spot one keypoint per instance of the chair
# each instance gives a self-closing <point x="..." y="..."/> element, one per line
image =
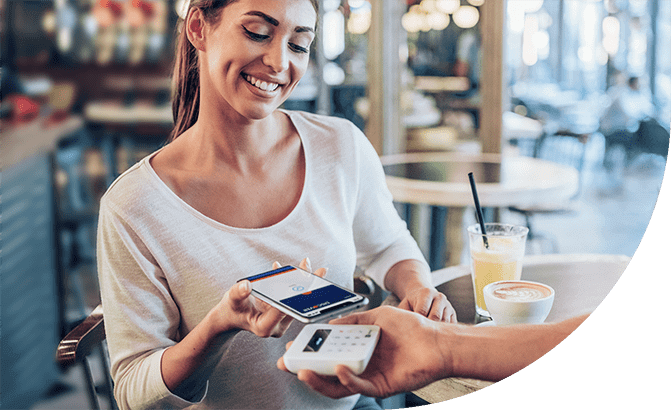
<point x="562" y="147"/>
<point x="77" y="347"/>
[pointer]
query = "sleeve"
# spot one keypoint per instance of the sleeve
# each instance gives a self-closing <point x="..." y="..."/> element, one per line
<point x="381" y="237"/>
<point x="141" y="319"/>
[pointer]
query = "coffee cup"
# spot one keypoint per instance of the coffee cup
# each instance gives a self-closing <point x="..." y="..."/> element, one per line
<point x="518" y="301"/>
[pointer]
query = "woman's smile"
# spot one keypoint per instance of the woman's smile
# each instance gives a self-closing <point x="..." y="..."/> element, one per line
<point x="262" y="85"/>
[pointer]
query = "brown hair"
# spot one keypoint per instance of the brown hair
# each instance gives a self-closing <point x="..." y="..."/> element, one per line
<point x="185" y="78"/>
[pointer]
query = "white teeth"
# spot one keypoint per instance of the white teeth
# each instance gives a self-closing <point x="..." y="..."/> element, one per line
<point x="262" y="85"/>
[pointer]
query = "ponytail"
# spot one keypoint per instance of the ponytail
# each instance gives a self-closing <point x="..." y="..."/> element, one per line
<point x="186" y="87"/>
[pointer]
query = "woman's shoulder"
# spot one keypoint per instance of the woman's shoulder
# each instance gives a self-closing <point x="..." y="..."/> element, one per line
<point x="134" y="183"/>
<point x="328" y="124"/>
<point x="328" y="133"/>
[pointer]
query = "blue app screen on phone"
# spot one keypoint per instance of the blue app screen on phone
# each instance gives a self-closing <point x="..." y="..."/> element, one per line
<point x="318" y="298"/>
<point x="299" y="290"/>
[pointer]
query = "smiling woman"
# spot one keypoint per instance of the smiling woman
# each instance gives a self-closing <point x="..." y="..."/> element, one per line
<point x="242" y="184"/>
<point x="186" y="76"/>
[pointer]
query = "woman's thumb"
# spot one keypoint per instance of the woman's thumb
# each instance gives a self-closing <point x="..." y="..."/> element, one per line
<point x="241" y="290"/>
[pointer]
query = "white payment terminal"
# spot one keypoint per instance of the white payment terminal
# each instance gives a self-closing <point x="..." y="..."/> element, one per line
<point x="320" y="347"/>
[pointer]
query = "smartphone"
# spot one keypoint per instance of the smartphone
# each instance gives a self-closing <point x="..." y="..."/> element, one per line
<point x="306" y="297"/>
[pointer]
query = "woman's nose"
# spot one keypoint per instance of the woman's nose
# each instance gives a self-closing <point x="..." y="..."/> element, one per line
<point x="277" y="57"/>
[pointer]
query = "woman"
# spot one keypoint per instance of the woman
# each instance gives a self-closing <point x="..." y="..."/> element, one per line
<point x="241" y="184"/>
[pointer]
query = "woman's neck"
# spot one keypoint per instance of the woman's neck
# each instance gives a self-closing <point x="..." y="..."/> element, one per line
<point x="242" y="144"/>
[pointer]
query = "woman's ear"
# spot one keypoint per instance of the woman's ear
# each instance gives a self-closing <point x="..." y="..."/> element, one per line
<point x="195" y="28"/>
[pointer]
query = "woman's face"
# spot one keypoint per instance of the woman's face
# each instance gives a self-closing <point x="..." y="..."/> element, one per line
<point x="256" y="54"/>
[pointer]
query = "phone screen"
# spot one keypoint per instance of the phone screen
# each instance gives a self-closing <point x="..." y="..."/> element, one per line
<point x="301" y="291"/>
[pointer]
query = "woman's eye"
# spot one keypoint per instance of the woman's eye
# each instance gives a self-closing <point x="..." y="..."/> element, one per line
<point x="298" y="48"/>
<point x="255" y="36"/>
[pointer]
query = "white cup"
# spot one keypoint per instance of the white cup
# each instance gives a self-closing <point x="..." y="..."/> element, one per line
<point x="512" y="302"/>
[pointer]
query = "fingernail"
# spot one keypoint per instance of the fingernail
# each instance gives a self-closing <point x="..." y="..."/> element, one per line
<point x="307" y="262"/>
<point x="246" y="286"/>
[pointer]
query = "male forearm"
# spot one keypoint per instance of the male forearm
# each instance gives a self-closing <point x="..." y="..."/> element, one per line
<point x="493" y="353"/>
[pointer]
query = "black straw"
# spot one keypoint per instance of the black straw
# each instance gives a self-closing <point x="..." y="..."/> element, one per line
<point x="478" y="210"/>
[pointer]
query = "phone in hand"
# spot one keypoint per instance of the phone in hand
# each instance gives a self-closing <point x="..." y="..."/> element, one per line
<point x="302" y="295"/>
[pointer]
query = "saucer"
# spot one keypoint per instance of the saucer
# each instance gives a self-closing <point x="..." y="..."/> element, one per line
<point x="486" y="324"/>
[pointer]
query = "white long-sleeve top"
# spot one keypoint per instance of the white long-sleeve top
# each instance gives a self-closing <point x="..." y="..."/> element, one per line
<point x="163" y="265"/>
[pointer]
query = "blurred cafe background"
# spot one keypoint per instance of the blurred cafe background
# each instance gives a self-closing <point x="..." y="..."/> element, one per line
<point x="438" y="86"/>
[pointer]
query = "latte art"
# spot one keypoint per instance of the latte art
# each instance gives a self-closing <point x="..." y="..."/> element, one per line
<point x="521" y="292"/>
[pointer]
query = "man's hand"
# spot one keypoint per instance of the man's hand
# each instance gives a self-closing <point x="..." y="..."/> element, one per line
<point x="406" y="357"/>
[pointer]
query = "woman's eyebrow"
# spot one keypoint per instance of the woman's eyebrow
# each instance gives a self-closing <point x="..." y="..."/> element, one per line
<point x="274" y="22"/>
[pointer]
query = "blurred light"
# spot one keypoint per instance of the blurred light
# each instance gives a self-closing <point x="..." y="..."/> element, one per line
<point x="438" y="20"/>
<point x="601" y="56"/>
<point x="521" y="110"/>
<point x="90" y="24"/>
<point x="466" y="16"/>
<point x="541" y="39"/>
<point x="529" y="50"/>
<point x="588" y="35"/>
<point x="331" y="5"/>
<point x="181" y="7"/>
<point x="403" y="52"/>
<point x="355" y="4"/>
<point x="411" y="22"/>
<point x="542" y="42"/>
<point x="64" y="39"/>
<point x="428" y="6"/>
<point x="49" y="22"/>
<point x="359" y="21"/>
<point x="425" y="22"/>
<point x="476" y="3"/>
<point x="611" y="34"/>
<point x="448" y="6"/>
<point x="333" y="74"/>
<point x="532" y="6"/>
<point x="585" y="55"/>
<point x="334" y="34"/>
<point x="515" y="11"/>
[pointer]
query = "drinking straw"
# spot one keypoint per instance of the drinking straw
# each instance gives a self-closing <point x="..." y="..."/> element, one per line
<point x="478" y="210"/>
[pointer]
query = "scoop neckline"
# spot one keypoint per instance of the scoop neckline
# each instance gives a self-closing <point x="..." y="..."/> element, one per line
<point x="146" y="164"/>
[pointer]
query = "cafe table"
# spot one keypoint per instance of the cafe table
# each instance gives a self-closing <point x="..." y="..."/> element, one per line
<point x="580" y="281"/>
<point x="440" y="180"/>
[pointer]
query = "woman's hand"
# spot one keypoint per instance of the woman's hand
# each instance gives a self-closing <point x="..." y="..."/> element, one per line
<point x="410" y="280"/>
<point x="239" y="310"/>
<point x="430" y="303"/>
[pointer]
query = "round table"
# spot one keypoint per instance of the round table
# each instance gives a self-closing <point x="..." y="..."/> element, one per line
<point x="440" y="180"/>
<point x="580" y="281"/>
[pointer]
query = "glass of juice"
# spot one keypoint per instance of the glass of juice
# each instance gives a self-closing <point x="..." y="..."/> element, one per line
<point x="495" y="256"/>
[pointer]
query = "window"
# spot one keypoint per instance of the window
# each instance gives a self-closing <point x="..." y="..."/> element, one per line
<point x="580" y="46"/>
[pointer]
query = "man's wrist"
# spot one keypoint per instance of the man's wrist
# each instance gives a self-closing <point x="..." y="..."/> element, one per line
<point x="445" y="339"/>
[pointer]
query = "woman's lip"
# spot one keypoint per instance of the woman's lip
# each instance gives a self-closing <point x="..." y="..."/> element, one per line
<point x="270" y="83"/>
<point x="261" y="93"/>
